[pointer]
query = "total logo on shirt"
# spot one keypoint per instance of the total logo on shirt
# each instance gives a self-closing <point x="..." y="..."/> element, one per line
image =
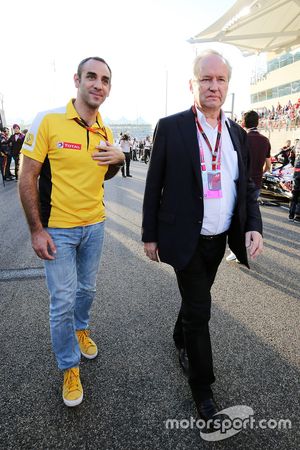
<point x="69" y="145"/>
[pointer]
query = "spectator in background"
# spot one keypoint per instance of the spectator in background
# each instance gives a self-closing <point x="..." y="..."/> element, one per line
<point x="260" y="149"/>
<point x="15" y="142"/>
<point x="284" y="154"/>
<point x="5" y="152"/>
<point x="260" y="155"/>
<point x="141" y="149"/>
<point x="125" y="144"/>
<point x="297" y="119"/>
<point x="293" y="153"/>
<point x="147" y="149"/>
<point x="294" y="212"/>
<point x="134" y="149"/>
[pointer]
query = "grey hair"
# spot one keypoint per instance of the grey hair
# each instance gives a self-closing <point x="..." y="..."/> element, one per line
<point x="209" y="52"/>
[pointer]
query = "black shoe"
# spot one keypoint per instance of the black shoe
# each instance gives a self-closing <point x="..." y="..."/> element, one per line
<point x="130" y="176"/>
<point x="291" y="218"/>
<point x="183" y="360"/>
<point x="124" y="176"/>
<point x="207" y="408"/>
<point x="297" y="219"/>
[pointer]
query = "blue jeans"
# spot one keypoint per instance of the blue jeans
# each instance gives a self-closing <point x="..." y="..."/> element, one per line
<point x="71" y="281"/>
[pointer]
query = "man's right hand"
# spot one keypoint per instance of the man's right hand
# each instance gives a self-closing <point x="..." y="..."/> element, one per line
<point x="151" y="250"/>
<point x="43" y="244"/>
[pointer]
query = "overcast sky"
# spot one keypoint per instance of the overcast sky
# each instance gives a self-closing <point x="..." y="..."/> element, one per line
<point x="43" y="42"/>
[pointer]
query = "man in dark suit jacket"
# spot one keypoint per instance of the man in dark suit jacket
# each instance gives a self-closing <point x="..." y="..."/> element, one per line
<point x="15" y="142"/>
<point x="260" y="155"/>
<point x="197" y="193"/>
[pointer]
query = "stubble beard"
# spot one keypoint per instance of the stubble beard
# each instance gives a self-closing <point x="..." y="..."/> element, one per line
<point x="92" y="104"/>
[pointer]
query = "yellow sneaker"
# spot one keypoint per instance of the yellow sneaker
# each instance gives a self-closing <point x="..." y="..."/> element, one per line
<point x="72" y="388"/>
<point x="87" y="346"/>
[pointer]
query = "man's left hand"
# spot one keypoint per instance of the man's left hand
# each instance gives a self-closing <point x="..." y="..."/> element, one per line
<point x="108" y="154"/>
<point x="254" y="243"/>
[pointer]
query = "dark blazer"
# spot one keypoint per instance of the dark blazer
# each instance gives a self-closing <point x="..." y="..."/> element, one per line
<point x="173" y="201"/>
<point x="16" y="146"/>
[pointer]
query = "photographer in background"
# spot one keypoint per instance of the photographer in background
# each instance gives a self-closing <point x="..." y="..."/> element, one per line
<point x="4" y="153"/>
<point x="125" y="144"/>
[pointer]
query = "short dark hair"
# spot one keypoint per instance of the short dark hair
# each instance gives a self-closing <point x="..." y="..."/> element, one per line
<point x="251" y="119"/>
<point x="96" y="58"/>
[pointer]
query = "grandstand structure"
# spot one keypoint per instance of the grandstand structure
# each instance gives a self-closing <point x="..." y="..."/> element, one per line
<point x="271" y="27"/>
<point x="278" y="83"/>
<point x="275" y="95"/>
<point x="135" y="128"/>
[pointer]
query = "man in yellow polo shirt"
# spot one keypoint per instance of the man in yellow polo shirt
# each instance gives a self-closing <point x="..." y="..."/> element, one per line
<point x="68" y="153"/>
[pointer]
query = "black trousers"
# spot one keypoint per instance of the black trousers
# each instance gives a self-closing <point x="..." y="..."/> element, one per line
<point x="295" y="204"/>
<point x="127" y="164"/>
<point x="191" y="329"/>
<point x="8" y="162"/>
<point x="16" y="158"/>
<point x="147" y="152"/>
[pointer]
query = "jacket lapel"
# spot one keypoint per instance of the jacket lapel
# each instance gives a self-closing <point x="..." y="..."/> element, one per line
<point x="235" y="139"/>
<point x="188" y="131"/>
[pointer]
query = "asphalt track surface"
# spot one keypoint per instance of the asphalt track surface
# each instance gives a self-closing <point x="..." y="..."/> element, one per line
<point x="135" y="384"/>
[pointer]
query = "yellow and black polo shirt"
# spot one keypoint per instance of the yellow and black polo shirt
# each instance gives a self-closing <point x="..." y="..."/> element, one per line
<point x="71" y="183"/>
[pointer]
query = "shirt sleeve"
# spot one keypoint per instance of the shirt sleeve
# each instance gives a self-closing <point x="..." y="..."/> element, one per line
<point x="36" y="144"/>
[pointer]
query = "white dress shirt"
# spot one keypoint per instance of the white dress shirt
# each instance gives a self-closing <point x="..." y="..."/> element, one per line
<point x="125" y="146"/>
<point x="218" y="211"/>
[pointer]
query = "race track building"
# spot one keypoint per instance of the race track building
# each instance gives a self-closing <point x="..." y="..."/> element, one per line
<point x="279" y="82"/>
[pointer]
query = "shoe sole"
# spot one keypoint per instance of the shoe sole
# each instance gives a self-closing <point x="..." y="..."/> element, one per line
<point x="89" y="356"/>
<point x="72" y="403"/>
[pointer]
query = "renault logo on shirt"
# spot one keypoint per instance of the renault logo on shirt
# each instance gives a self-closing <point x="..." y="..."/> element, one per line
<point x="29" y="139"/>
<point x="69" y="145"/>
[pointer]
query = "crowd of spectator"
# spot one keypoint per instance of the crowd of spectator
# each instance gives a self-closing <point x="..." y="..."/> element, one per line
<point x="10" y="147"/>
<point x="11" y="144"/>
<point x="280" y="117"/>
<point x="134" y="150"/>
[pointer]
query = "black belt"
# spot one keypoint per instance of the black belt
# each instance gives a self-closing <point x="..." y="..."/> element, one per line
<point x="210" y="237"/>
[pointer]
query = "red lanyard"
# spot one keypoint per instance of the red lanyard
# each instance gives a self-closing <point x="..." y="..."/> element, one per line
<point x="202" y="160"/>
<point x="214" y="153"/>
<point x="101" y="130"/>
